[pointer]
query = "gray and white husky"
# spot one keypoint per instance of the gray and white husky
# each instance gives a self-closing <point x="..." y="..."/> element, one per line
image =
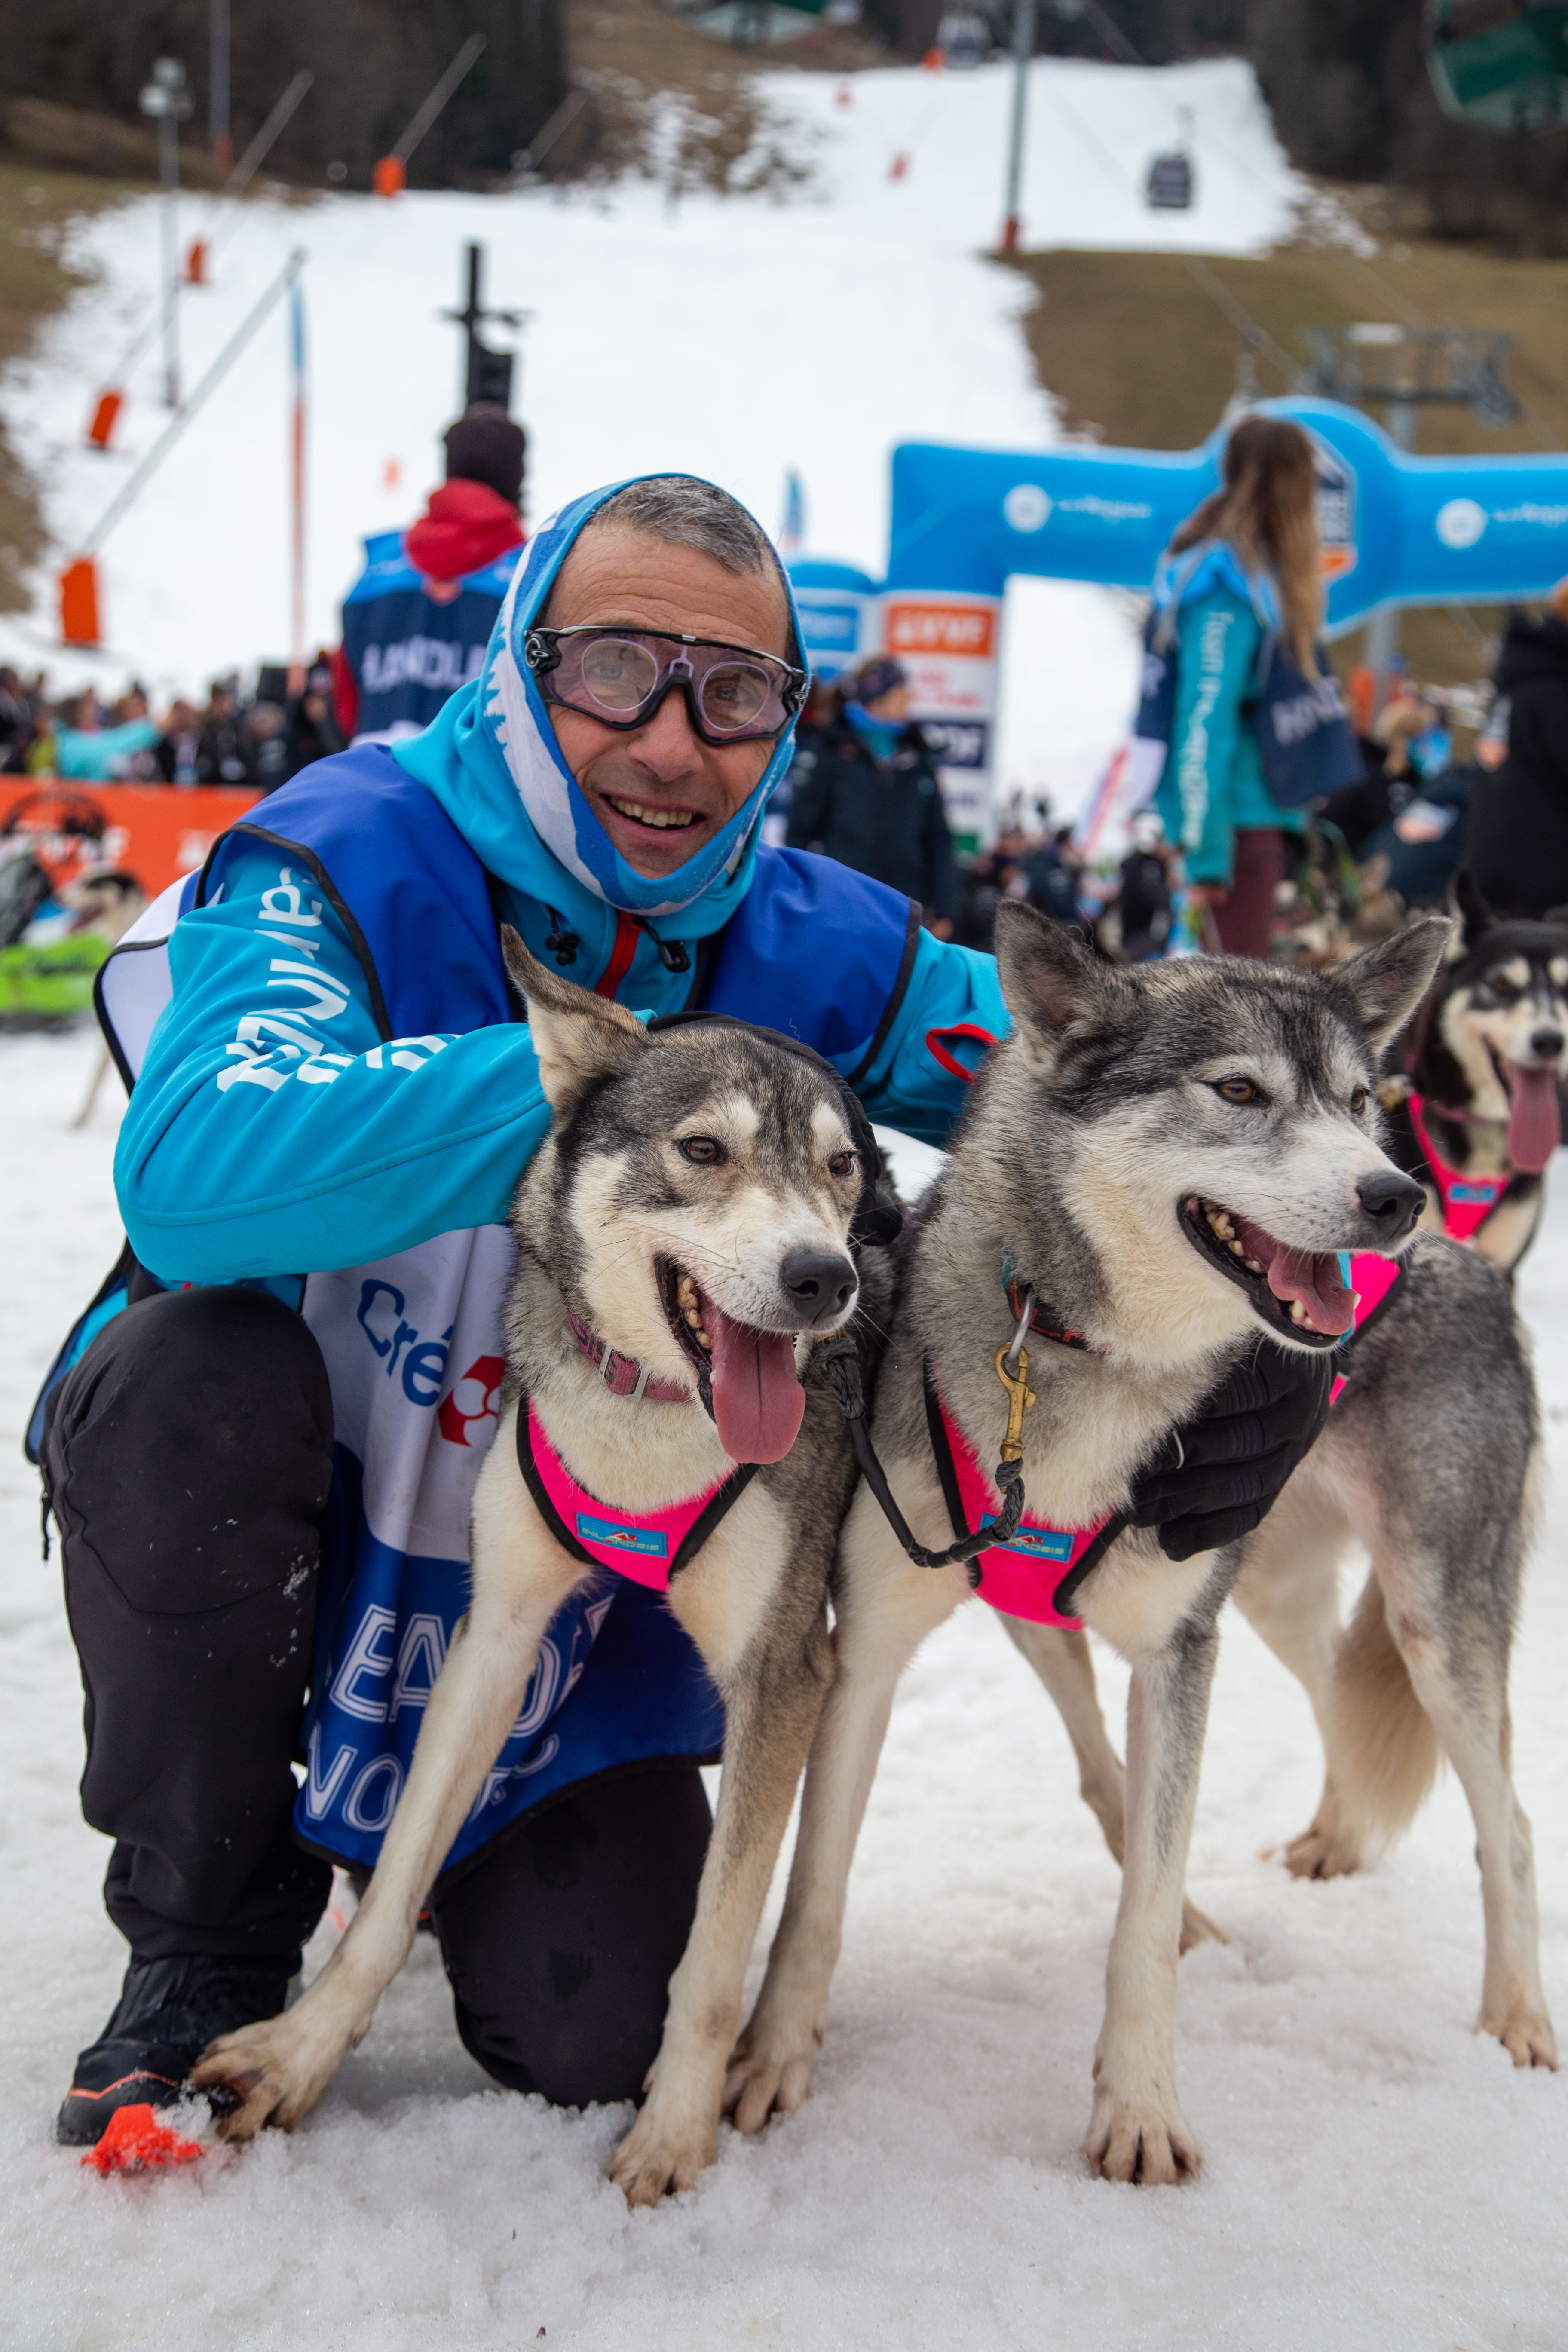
<point x="696" y="1207"/>
<point x="1171" y="1156"/>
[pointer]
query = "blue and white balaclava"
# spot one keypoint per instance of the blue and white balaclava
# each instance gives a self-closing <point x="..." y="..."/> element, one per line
<point x="514" y="714"/>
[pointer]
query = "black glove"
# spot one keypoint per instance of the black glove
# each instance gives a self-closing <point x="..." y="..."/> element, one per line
<point x="1235" y="1452"/>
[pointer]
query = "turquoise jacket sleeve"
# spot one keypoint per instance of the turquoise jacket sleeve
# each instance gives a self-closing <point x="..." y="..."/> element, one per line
<point x="952" y="1008"/>
<point x="272" y="1132"/>
<point x="1218" y="639"/>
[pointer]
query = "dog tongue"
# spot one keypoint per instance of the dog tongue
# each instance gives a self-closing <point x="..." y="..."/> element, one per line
<point x="758" y="1401"/>
<point x="1312" y="1275"/>
<point x="1534" y="1125"/>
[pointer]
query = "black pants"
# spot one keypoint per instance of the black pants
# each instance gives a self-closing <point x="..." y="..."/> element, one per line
<point x="189" y="1456"/>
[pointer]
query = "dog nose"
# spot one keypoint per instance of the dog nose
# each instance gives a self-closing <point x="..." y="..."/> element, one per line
<point x="1392" y="1202"/>
<point x="819" y="1281"/>
<point x="1547" y="1043"/>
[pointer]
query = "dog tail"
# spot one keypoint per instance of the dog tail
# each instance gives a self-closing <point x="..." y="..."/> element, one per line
<point x="1387" y="1747"/>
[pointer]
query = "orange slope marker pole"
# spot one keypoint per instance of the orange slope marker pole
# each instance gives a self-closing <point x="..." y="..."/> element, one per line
<point x="389" y="177"/>
<point x="79" y="582"/>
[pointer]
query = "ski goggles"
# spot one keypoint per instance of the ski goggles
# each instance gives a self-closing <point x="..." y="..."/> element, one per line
<point x="620" y="677"/>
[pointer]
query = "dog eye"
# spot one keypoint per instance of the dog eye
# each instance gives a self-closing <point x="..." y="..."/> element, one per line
<point x="1358" y="1101"/>
<point x="1503" y="990"/>
<point x="701" y="1150"/>
<point x="841" y="1164"/>
<point x="1236" y="1090"/>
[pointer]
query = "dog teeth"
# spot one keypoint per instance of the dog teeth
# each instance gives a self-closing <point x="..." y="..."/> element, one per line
<point x="1252" y="1265"/>
<point x="1300" y="1314"/>
<point x="703" y="1341"/>
<point x="1236" y="1250"/>
<point x="1220" y="1223"/>
<point x="694" y="1318"/>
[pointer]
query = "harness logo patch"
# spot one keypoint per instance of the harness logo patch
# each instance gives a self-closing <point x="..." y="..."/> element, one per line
<point x="651" y="1541"/>
<point x="1036" y="1543"/>
<point x="1479" y="1191"/>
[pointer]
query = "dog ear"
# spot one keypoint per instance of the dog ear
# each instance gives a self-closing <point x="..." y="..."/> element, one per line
<point x="577" y="1036"/>
<point x="1471" y="907"/>
<point x="1386" y="982"/>
<point x="1051" y="981"/>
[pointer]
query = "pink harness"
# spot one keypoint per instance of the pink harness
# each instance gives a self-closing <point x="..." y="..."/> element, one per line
<point x="1467" y="1200"/>
<point x="1036" y="1575"/>
<point x="651" y="1547"/>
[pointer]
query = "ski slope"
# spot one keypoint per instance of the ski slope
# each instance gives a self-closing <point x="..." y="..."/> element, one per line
<point x="731" y="338"/>
<point x="1376" y="2179"/>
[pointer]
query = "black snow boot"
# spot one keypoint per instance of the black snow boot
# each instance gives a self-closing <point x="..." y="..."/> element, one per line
<point x="168" y="2011"/>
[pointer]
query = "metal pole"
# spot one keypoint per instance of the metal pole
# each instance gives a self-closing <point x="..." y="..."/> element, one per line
<point x="1023" y="50"/>
<point x="297" y="486"/>
<point x="169" y="173"/>
<point x="1382" y="628"/>
<point x="208" y="385"/>
<point x="218" y="96"/>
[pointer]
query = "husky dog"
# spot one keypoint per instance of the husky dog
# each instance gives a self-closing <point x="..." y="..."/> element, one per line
<point x="1167" y="1159"/>
<point x="1475" y="1115"/>
<point x="695" y="1209"/>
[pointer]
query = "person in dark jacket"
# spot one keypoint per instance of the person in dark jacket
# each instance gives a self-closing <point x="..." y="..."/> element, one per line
<point x="1518" y="847"/>
<point x="867" y="793"/>
<point x="417" y="620"/>
<point x="313" y="729"/>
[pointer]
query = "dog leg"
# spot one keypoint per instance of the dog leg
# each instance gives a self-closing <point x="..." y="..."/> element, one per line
<point x="279" y="2068"/>
<point x="1289" y="1593"/>
<point x="1137" y="2130"/>
<point x="884" y="1611"/>
<point x="1063" y="1663"/>
<point x="769" y="1712"/>
<point x="1463" y="1686"/>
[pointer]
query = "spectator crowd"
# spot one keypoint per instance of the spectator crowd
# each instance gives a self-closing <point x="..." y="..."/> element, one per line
<point x="258" y="744"/>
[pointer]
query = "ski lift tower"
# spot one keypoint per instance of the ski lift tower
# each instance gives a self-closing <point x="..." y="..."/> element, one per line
<point x="487" y="374"/>
<point x="1403" y="370"/>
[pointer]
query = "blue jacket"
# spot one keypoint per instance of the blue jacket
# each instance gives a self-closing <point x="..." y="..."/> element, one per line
<point x="336" y="1100"/>
<point x="1213" y="782"/>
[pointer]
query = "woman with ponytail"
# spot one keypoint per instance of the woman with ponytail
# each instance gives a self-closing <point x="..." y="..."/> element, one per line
<point x="1244" y="565"/>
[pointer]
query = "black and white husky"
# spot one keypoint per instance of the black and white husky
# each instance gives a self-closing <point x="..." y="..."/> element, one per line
<point x="696" y="1209"/>
<point x="1170" y="1158"/>
<point x="1474" y="1113"/>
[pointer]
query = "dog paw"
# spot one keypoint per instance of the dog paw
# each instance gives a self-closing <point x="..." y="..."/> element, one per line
<point x="769" y="2074"/>
<point x="1141" y="2140"/>
<point x="1318" y="1853"/>
<point x="263" y="2073"/>
<point x="656" y="2159"/>
<point x="1526" y="2034"/>
<point x="1197" y="1927"/>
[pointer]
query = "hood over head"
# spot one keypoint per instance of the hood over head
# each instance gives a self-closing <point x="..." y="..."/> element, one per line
<point x="492" y="760"/>
<point x="465" y="526"/>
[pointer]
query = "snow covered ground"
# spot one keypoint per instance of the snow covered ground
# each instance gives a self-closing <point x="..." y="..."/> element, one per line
<point x="1376" y="2177"/>
<point x="736" y="338"/>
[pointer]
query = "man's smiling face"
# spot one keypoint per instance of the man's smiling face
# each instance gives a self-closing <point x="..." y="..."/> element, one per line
<point x="660" y="791"/>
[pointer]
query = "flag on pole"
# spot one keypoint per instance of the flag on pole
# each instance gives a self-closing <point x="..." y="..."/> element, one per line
<point x="791" y="538"/>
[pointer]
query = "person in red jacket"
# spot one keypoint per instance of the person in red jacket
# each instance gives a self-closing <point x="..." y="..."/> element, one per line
<point x="416" y="621"/>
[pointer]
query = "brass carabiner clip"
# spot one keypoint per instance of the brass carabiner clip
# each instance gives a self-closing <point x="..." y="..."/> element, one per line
<point x="1020" y="1397"/>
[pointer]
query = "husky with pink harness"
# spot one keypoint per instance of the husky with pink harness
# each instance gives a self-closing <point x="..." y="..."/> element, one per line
<point x="1475" y="1114"/>
<point x="1167" y="1175"/>
<point x="706" y="1206"/>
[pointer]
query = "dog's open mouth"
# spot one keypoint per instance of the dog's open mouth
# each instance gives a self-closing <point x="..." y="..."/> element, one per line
<point x="1299" y="1291"/>
<point x="1535" y="1117"/>
<point x="746" y="1378"/>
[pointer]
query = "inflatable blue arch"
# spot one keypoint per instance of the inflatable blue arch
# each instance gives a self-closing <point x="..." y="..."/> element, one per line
<point x="1396" y="529"/>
